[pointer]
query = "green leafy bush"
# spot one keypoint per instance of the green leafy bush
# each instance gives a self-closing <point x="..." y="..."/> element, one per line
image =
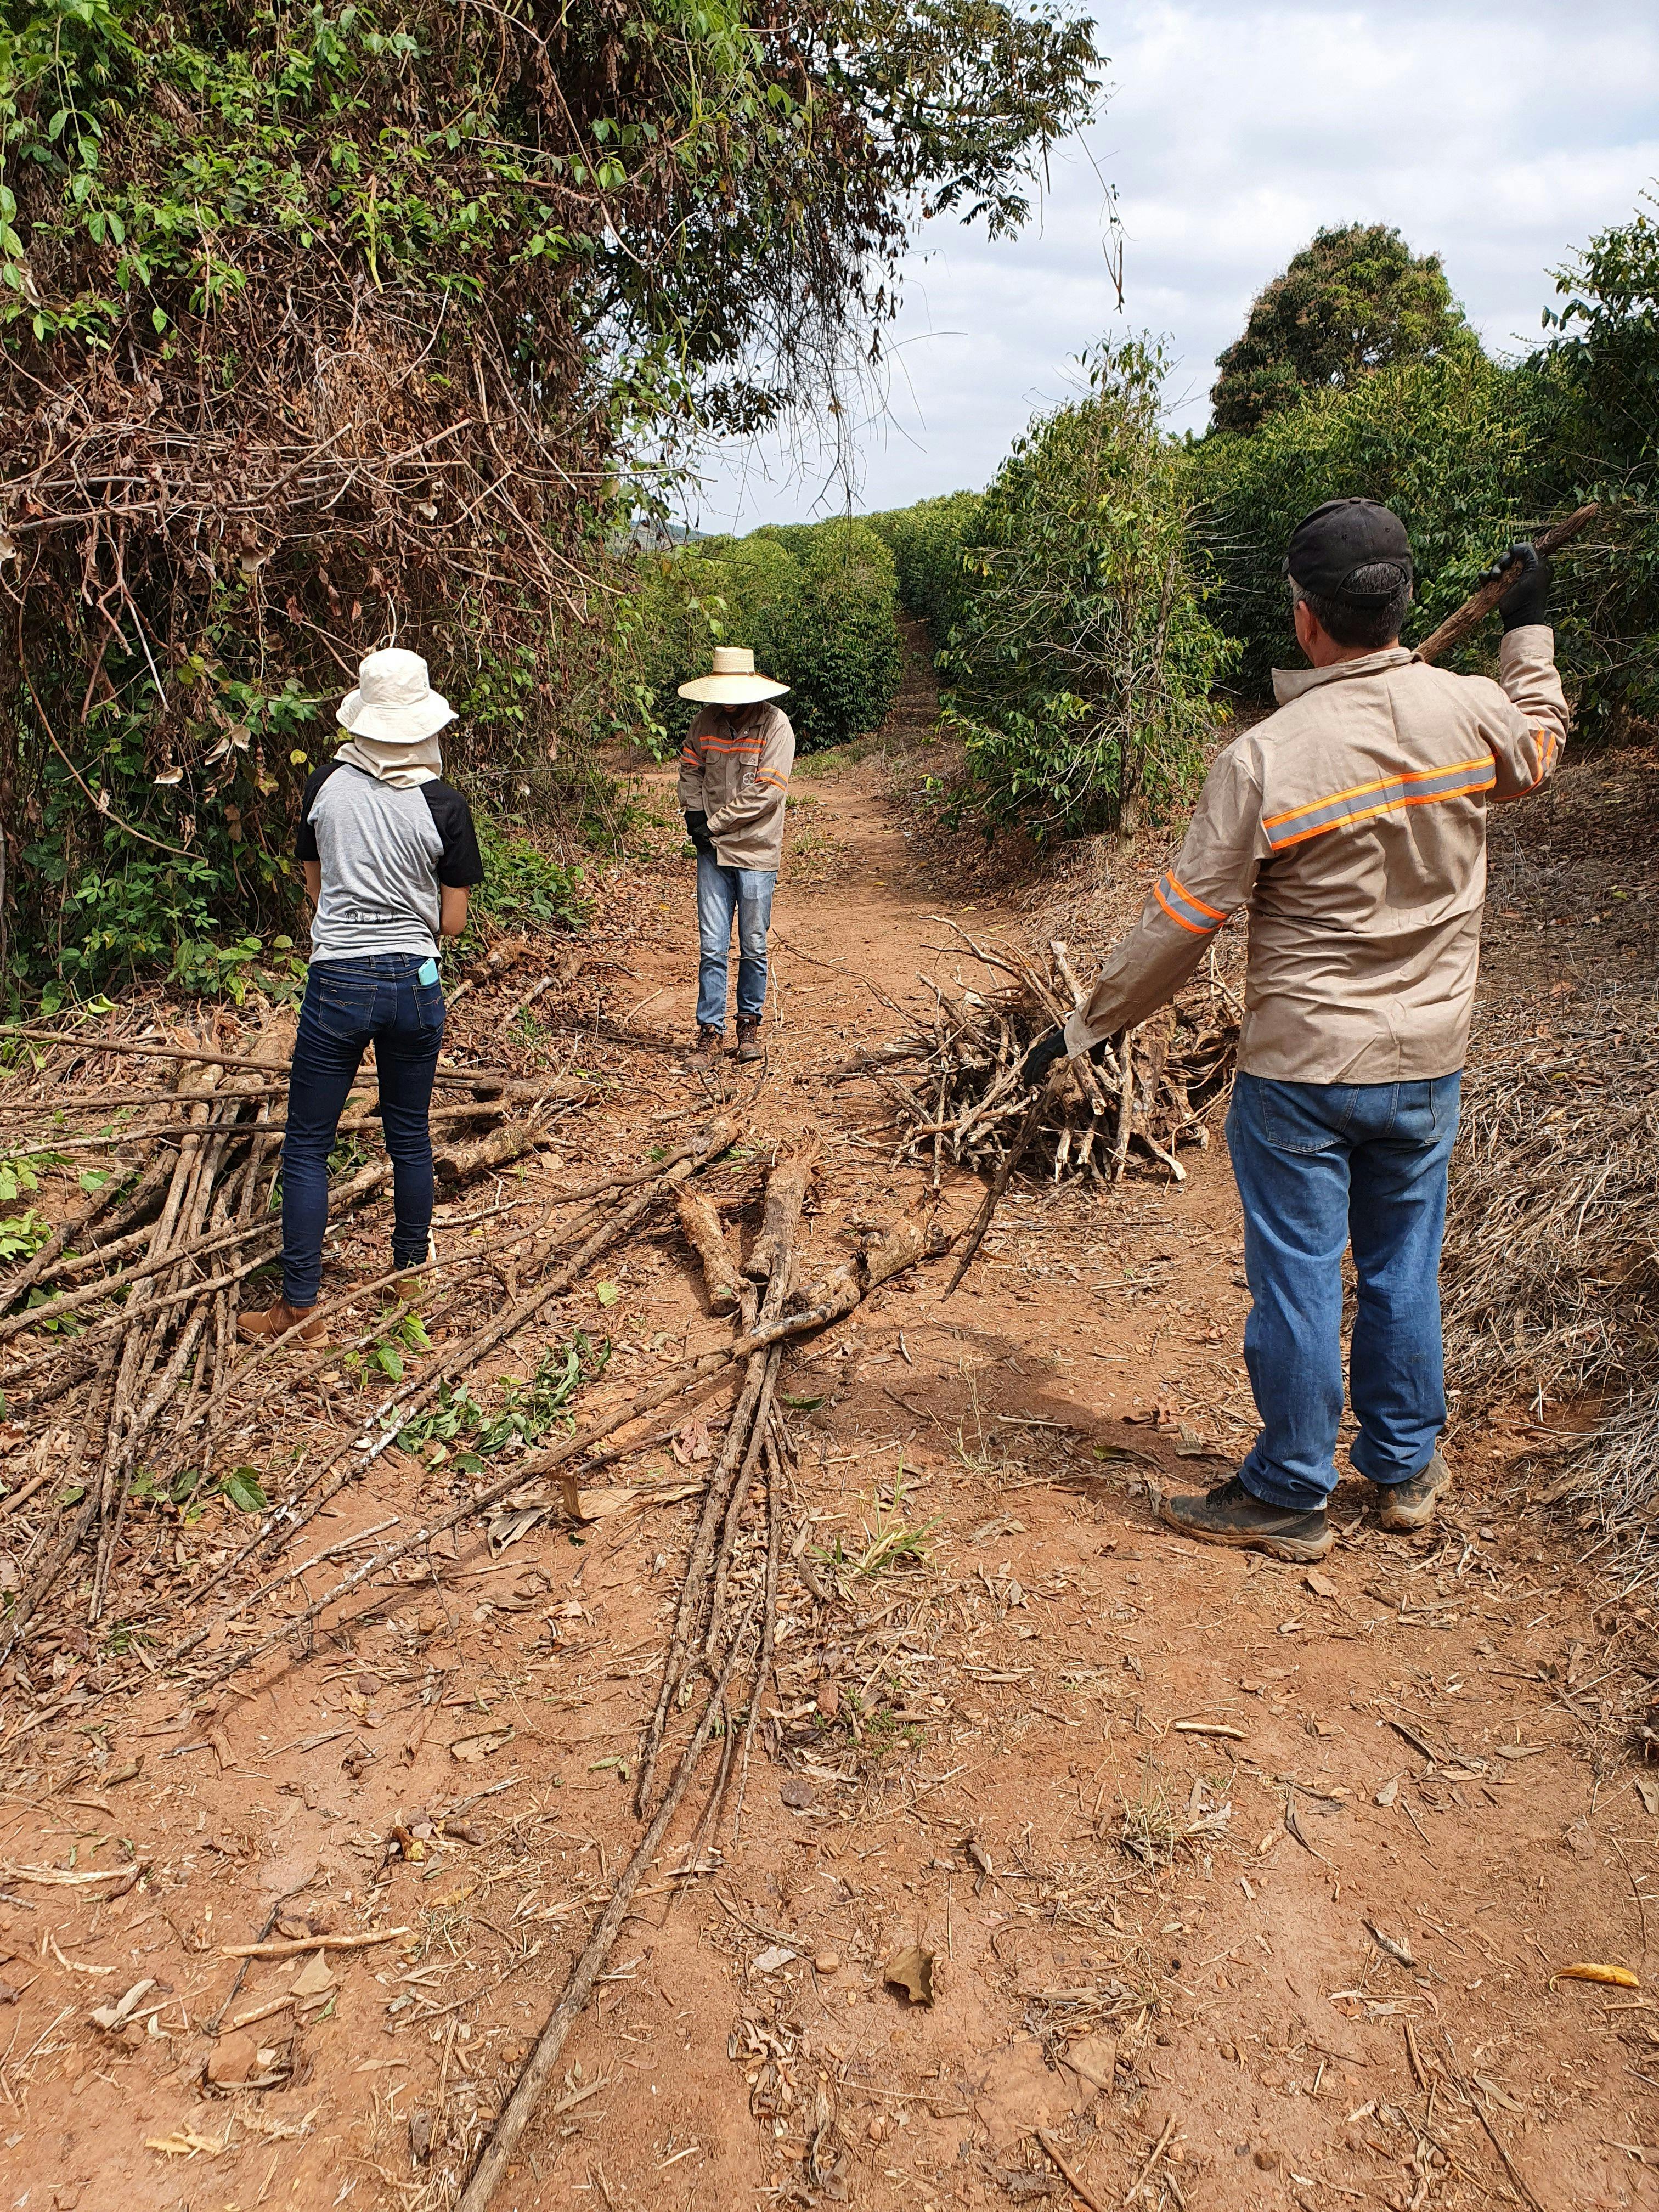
<point x="524" y="887"/>
<point x="1083" y="662"/>
<point x="928" y="542"/>
<point x="1599" y="380"/>
<point x="814" y="603"/>
<point x="1451" y="444"/>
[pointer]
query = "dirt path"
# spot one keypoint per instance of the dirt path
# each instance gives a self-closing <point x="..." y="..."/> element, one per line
<point x="1244" y="1883"/>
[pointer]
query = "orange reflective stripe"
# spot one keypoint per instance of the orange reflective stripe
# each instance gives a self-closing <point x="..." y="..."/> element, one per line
<point x="1378" y="783"/>
<point x="1364" y="813"/>
<point x="1157" y="893"/>
<point x="1202" y="905"/>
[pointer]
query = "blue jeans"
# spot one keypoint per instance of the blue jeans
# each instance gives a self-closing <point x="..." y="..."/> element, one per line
<point x="722" y="893"/>
<point x="1322" y="1165"/>
<point x="348" y="1003"/>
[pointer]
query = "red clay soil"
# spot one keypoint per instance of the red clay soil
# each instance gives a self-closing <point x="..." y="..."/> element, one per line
<point x="1247" y="1886"/>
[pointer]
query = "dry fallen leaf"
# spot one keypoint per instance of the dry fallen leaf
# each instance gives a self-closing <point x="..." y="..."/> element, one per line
<point x="472" y="1748"/>
<point x="112" y="2017"/>
<point x="911" y="1971"/>
<point x="1618" y="1978"/>
<point x="693" y="1443"/>
<point x="1648" y="1789"/>
<point x="314" y="1979"/>
<point x="775" y="1955"/>
<point x="1321" y="1585"/>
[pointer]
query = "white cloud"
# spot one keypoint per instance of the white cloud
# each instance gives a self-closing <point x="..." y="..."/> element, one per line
<point x="1500" y="134"/>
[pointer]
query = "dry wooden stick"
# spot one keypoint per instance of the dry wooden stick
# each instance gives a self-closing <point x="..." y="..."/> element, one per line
<point x="490" y="2171"/>
<point x="707" y="1238"/>
<point x="769" y="1616"/>
<point x="791" y="1178"/>
<point x="395" y="1411"/>
<point x="1077" y="2182"/>
<point x="1475" y="608"/>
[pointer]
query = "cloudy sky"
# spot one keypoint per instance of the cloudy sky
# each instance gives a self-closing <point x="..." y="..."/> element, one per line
<point x="1497" y="133"/>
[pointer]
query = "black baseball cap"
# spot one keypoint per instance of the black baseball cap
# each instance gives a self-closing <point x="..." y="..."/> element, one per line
<point x="1343" y="535"/>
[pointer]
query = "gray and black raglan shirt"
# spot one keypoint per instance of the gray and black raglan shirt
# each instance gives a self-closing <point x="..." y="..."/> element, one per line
<point x="383" y="854"/>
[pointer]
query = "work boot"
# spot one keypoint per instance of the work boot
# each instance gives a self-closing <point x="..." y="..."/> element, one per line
<point x="265" y="1322"/>
<point x="710" y="1043"/>
<point x="1232" y="1515"/>
<point x="749" y="1044"/>
<point x="1408" y="1505"/>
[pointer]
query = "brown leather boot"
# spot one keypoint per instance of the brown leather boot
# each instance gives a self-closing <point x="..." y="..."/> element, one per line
<point x="749" y="1038"/>
<point x="263" y="1322"/>
<point x="710" y="1043"/>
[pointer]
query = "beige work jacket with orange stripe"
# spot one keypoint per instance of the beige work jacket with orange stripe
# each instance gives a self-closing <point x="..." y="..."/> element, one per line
<point x="738" y="774"/>
<point x="1352" y="823"/>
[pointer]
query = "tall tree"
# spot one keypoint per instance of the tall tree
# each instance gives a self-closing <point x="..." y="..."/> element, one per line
<point x="1355" y="300"/>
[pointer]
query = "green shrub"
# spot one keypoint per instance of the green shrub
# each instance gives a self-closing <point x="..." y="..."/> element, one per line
<point x="1599" y="378"/>
<point x="1084" y="658"/>
<point x="928" y="542"/>
<point x="814" y="602"/>
<point x="1452" y="444"/>
<point x="524" y="887"/>
<point x="845" y="656"/>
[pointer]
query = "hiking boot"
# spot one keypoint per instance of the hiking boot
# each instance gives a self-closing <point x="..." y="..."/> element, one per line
<point x="710" y="1043"/>
<point x="749" y="1040"/>
<point x="265" y="1322"/>
<point x="1408" y="1505"/>
<point x="1233" y="1515"/>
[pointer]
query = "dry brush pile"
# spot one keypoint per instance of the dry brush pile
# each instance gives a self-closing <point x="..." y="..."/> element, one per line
<point x="1551" y="1284"/>
<point x="958" y="1099"/>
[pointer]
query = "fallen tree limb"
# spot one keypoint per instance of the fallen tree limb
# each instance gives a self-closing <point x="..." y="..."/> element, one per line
<point x="491" y="2170"/>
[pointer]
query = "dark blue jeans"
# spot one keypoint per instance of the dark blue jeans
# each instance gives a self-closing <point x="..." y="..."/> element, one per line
<point x="348" y="1005"/>
<point x="1321" y="1166"/>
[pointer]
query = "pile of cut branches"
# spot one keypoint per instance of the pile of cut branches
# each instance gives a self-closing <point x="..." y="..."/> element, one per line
<point x="123" y="1316"/>
<point x="958" y="1100"/>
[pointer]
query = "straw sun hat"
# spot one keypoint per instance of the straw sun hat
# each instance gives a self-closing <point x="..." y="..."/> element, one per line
<point x="394" y="700"/>
<point x="733" y="683"/>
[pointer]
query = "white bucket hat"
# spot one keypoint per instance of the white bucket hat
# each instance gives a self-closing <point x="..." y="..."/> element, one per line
<point x="734" y="683"/>
<point x="394" y="700"/>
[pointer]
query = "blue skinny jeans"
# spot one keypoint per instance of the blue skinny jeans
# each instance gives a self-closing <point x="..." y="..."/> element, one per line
<point x="350" y="1003"/>
<point x="723" y="894"/>
<point x="1320" y="1166"/>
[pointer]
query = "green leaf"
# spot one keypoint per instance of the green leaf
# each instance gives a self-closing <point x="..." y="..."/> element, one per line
<point x="607" y="1294"/>
<point x="803" y="1405"/>
<point x="390" y="1360"/>
<point x="245" y="1490"/>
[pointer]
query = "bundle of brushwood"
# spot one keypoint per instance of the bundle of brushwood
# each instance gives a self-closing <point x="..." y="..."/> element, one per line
<point x="123" y="1321"/>
<point x="1551" y="1282"/>
<point x="958" y="1100"/>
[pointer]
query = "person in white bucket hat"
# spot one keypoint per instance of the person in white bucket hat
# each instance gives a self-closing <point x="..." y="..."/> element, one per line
<point x="390" y="855"/>
<point x="734" y="779"/>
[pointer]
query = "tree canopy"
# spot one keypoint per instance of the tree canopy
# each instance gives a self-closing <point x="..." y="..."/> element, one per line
<point x="1356" y="298"/>
<point x="322" y="318"/>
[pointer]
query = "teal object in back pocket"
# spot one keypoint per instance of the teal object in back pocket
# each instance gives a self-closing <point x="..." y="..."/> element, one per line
<point x="427" y="972"/>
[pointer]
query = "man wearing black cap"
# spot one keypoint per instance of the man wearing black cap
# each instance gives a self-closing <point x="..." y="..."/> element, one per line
<point x="1351" y="824"/>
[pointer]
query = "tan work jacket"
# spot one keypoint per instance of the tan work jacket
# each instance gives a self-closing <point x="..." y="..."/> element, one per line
<point x="1352" y="823"/>
<point x="737" y="774"/>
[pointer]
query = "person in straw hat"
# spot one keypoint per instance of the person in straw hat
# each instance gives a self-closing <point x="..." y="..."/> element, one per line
<point x="734" y="778"/>
<point x="390" y="856"/>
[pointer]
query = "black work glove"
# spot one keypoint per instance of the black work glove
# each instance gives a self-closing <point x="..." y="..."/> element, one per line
<point x="696" y="829"/>
<point x="1034" y="1068"/>
<point x="1528" y="598"/>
